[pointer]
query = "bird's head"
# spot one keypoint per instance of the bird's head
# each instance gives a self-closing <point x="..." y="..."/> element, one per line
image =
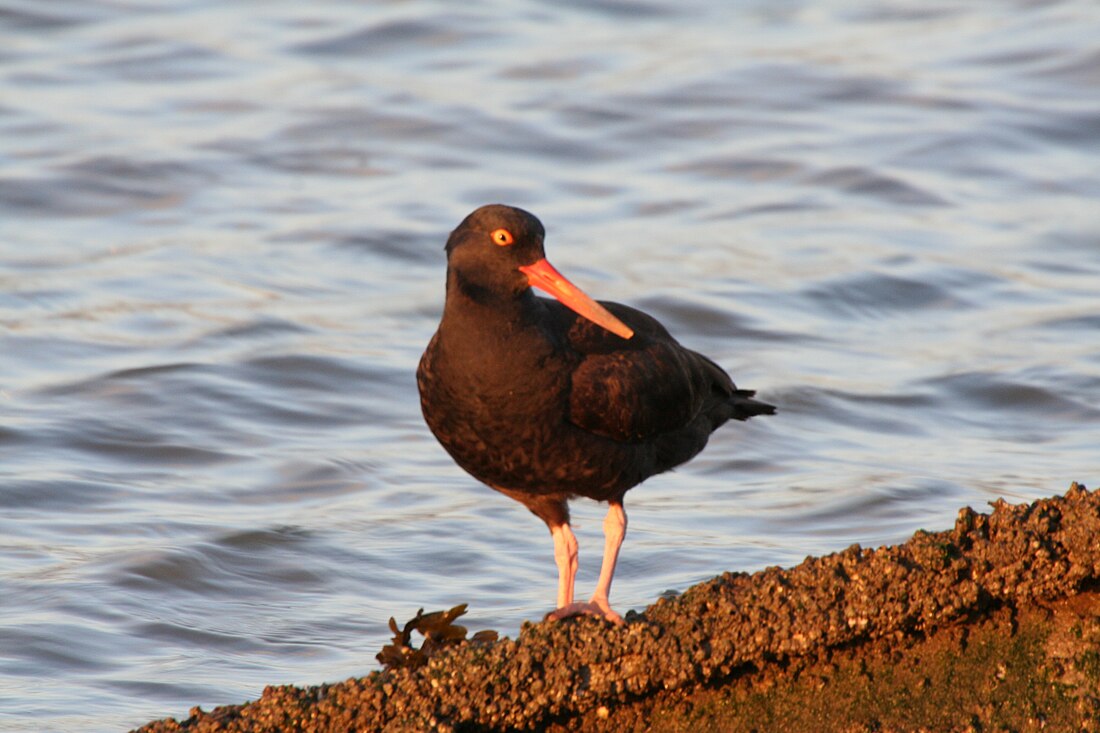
<point x="497" y="252"/>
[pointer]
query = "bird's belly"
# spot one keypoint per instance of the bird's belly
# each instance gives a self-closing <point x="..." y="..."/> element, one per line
<point x="528" y="445"/>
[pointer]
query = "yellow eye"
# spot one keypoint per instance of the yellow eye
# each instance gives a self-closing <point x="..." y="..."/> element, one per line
<point x="502" y="237"/>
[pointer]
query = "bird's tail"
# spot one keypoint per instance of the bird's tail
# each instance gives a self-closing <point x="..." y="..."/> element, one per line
<point x="742" y="406"/>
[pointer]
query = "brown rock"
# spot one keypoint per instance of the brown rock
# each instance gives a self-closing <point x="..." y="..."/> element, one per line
<point x="810" y="631"/>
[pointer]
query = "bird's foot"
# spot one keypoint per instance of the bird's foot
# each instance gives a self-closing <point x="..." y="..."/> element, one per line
<point x="596" y="607"/>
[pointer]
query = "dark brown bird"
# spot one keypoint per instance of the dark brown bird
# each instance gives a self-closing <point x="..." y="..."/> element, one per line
<point x="548" y="400"/>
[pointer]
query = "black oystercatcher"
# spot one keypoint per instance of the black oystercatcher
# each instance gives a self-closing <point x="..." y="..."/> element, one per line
<point x="545" y="400"/>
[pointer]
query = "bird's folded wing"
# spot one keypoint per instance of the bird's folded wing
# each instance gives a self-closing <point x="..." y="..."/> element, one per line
<point x="639" y="389"/>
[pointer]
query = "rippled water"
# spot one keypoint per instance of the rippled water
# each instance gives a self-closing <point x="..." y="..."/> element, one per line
<point x="221" y="231"/>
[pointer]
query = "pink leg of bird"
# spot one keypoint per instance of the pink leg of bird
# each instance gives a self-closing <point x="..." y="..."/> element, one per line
<point x="565" y="555"/>
<point x="614" y="529"/>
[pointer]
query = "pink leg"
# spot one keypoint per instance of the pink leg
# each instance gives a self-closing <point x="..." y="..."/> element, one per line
<point x="614" y="529"/>
<point x="565" y="555"/>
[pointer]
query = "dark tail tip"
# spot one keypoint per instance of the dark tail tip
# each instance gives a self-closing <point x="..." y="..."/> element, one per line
<point x="744" y="406"/>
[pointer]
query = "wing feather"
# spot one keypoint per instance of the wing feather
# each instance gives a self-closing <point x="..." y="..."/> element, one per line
<point x="639" y="389"/>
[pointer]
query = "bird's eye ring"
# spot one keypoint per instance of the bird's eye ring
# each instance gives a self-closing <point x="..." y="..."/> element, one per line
<point x="502" y="237"/>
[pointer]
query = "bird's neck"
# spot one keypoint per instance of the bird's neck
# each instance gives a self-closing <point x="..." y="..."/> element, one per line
<point x="491" y="320"/>
<point x="469" y="300"/>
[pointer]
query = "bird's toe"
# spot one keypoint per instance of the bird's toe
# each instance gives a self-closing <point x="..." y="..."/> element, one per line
<point x="591" y="608"/>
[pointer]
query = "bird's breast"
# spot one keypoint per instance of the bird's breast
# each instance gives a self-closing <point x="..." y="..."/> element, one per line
<point x="504" y="418"/>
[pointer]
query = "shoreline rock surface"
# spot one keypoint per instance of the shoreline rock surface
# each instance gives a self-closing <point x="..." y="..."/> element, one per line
<point x="764" y="646"/>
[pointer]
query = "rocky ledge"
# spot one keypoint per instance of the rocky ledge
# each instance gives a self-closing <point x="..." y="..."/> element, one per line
<point x="992" y="625"/>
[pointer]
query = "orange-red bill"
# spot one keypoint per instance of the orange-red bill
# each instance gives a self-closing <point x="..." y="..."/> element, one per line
<point x="544" y="276"/>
